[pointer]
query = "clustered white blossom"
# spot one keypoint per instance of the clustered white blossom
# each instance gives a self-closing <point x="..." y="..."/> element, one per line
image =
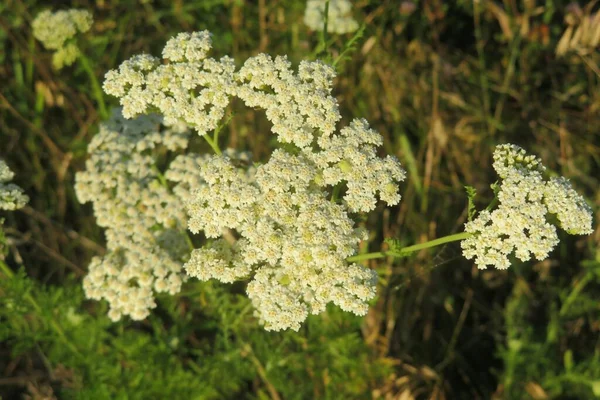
<point x="191" y="88"/>
<point x="56" y="29"/>
<point x="291" y="235"/>
<point x="12" y="196"/>
<point x="275" y="223"/>
<point x="146" y="242"/>
<point x="339" y="16"/>
<point x="520" y="224"/>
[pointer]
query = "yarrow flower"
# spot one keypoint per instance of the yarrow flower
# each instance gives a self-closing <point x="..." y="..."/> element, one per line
<point x="298" y="105"/>
<point x="275" y="224"/>
<point x="339" y="16"/>
<point x="12" y="196"/>
<point x="191" y="88"/>
<point x="292" y="236"/>
<point x="145" y="225"/>
<point x="520" y="224"/>
<point x="56" y="29"/>
<point x="351" y="157"/>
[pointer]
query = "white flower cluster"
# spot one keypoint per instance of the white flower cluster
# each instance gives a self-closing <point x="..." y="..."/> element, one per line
<point x="291" y="235"/>
<point x="351" y="157"/>
<point x="192" y="88"/>
<point x="274" y="223"/>
<point x="297" y="105"/>
<point x="520" y="223"/>
<point x="145" y="222"/>
<point x="339" y="18"/>
<point x="55" y="29"/>
<point x="12" y="196"/>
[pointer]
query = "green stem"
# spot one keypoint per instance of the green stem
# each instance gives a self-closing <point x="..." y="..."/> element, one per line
<point x="188" y="240"/>
<point x="213" y="144"/>
<point x="321" y="50"/>
<point x="368" y="256"/>
<point x="349" y="46"/>
<point x="335" y="193"/>
<point x="579" y="286"/>
<point x="220" y="127"/>
<point x="324" y="32"/>
<point x="409" y="249"/>
<point x="96" y="89"/>
<point x="8" y="272"/>
<point x="160" y="176"/>
<point x="493" y="203"/>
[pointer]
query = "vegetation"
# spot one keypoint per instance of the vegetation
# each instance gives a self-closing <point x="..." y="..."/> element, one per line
<point x="444" y="83"/>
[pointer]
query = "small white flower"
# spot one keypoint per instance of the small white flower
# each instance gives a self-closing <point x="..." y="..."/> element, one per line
<point x="191" y="89"/>
<point x="55" y="29"/>
<point x="273" y="223"/>
<point x="573" y="213"/>
<point x="12" y="196"/>
<point x="144" y="220"/>
<point x="519" y="225"/>
<point x="188" y="47"/>
<point x="351" y="157"/>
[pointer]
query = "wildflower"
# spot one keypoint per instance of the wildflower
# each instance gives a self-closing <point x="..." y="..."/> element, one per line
<point x="145" y="240"/>
<point x="273" y="223"/>
<point x="191" y="88"/>
<point x="55" y="29"/>
<point x="520" y="224"/>
<point x="339" y="16"/>
<point x="12" y="196"/>
<point x="298" y="105"/>
<point x="351" y="157"/>
<point x="292" y="236"/>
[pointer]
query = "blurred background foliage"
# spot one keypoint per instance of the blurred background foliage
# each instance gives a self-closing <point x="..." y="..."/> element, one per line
<point x="444" y="82"/>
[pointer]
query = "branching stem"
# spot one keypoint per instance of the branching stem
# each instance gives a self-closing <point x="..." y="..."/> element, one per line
<point x="213" y="144"/>
<point x="96" y="89"/>
<point x="410" y="249"/>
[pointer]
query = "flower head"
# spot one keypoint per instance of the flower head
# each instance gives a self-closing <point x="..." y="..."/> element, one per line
<point x="520" y="224"/>
<point x="55" y="29"/>
<point x="12" y="196"/>
<point x="192" y="88"/>
<point x="275" y="223"/>
<point x="145" y="225"/>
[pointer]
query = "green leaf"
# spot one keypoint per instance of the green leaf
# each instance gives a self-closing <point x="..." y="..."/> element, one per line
<point x="471" y="193"/>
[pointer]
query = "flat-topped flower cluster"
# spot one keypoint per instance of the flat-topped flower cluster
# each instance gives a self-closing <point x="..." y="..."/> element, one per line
<point x="527" y="201"/>
<point x="286" y="225"/>
<point x="12" y="197"/>
<point x="146" y="248"/>
<point x="56" y="29"/>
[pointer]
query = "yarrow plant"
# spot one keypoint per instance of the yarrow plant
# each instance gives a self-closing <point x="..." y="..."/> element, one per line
<point x="280" y="224"/>
<point x="339" y="16"/>
<point x="56" y="29"/>
<point x="144" y="221"/>
<point x="12" y="197"/>
<point x="528" y="203"/>
<point x="289" y="225"/>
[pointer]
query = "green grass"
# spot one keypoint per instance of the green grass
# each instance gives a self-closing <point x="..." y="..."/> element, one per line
<point x="443" y="84"/>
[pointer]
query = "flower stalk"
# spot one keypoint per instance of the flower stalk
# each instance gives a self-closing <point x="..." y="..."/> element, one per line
<point x="404" y="251"/>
